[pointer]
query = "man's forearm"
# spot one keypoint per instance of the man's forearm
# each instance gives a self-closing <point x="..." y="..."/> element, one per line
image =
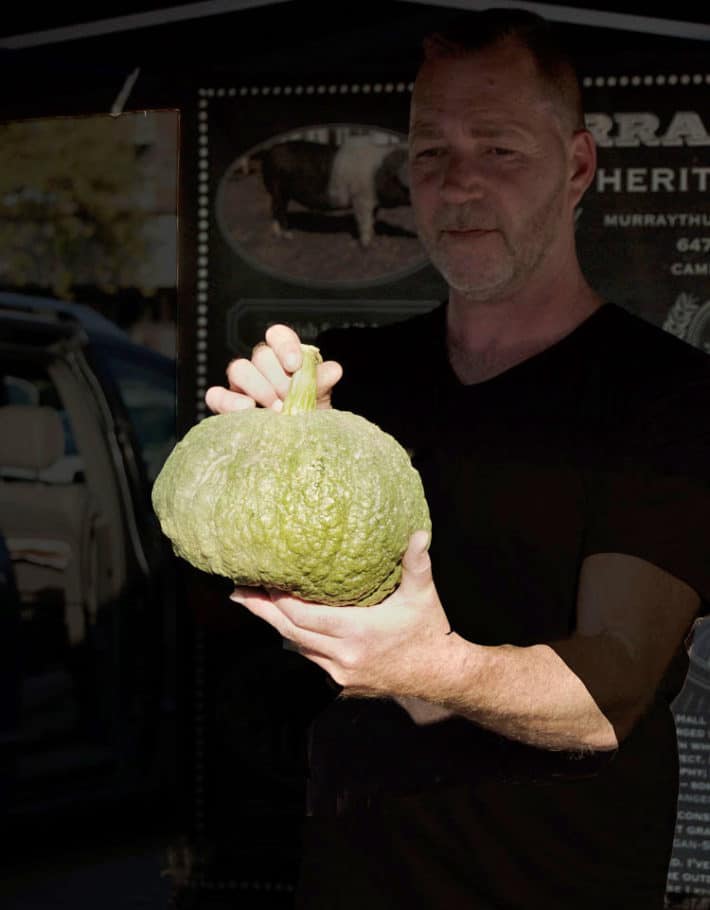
<point x="531" y="694"/>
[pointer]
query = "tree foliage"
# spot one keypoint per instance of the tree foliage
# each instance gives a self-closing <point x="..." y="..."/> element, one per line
<point x="71" y="203"/>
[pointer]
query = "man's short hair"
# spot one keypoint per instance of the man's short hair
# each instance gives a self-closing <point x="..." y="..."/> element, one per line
<point x="471" y="32"/>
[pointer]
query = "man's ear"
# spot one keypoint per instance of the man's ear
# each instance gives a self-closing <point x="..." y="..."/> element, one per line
<point x="583" y="163"/>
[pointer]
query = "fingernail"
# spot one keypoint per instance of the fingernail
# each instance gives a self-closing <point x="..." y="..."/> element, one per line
<point x="278" y="405"/>
<point x="291" y="361"/>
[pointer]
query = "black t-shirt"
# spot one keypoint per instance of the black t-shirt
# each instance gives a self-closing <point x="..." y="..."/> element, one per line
<point x="601" y="443"/>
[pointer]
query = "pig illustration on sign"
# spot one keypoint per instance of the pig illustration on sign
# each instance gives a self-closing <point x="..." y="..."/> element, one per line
<point x="360" y="176"/>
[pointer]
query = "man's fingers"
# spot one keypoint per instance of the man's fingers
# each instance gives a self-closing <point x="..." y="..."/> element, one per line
<point x="245" y="379"/>
<point x="278" y="609"/>
<point x="258" y="602"/>
<point x="416" y="564"/>
<point x="328" y="374"/>
<point x="243" y="593"/>
<point x="328" y="621"/>
<point x="265" y="379"/>
<point x="268" y="364"/>
<point x="286" y="345"/>
<point x="220" y="400"/>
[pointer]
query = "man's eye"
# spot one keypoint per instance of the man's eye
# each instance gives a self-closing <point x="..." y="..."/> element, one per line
<point x="500" y="152"/>
<point x="428" y="153"/>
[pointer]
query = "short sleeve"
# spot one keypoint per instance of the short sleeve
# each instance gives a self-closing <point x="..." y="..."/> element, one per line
<point x="648" y="488"/>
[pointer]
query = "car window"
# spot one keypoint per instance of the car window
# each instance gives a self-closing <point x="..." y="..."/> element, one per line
<point x="147" y="388"/>
<point x="30" y="384"/>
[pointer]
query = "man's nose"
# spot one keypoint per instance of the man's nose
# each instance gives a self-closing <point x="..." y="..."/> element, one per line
<point x="462" y="177"/>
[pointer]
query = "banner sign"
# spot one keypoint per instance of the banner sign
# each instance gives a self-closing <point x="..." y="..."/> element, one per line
<point x="643" y="228"/>
<point x="689" y="873"/>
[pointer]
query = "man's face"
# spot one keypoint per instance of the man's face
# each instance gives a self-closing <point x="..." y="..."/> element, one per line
<point x="490" y="167"/>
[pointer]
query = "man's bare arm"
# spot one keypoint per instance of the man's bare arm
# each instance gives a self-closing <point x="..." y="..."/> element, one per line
<point x="585" y="692"/>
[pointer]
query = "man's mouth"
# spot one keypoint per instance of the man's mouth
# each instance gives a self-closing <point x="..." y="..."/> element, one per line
<point x="464" y="231"/>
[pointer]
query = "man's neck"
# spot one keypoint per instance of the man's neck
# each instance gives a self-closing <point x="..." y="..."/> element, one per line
<point x="485" y="339"/>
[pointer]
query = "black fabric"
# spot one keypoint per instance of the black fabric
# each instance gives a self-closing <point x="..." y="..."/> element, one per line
<point x="598" y="444"/>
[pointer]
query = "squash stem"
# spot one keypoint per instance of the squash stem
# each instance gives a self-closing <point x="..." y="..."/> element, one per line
<point x="301" y="395"/>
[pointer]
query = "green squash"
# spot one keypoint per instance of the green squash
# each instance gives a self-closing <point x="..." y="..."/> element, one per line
<point x="317" y="503"/>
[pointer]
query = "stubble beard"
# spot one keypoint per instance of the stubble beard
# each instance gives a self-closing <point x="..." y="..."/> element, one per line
<point x="519" y="258"/>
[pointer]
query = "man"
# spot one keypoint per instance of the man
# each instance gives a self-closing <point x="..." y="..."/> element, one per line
<point x="504" y="737"/>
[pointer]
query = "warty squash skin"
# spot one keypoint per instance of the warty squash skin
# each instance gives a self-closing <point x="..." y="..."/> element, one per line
<point x="318" y="503"/>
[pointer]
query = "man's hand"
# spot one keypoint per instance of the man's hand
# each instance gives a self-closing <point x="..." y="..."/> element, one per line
<point x="392" y="648"/>
<point x="582" y="694"/>
<point x="264" y="380"/>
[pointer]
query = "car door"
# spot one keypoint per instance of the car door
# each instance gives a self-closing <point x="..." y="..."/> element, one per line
<point x="91" y="636"/>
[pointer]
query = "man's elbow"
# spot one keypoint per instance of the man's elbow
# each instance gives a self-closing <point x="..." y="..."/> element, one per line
<point x="620" y="720"/>
<point x="603" y="735"/>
